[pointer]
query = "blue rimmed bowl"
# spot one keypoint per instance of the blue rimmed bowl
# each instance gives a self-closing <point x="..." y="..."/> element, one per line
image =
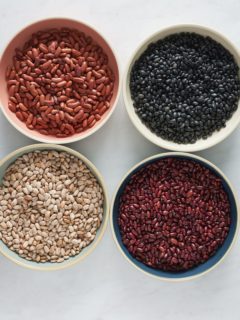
<point x="213" y="261"/>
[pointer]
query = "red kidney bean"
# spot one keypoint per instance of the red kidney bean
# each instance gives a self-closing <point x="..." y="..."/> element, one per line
<point x="174" y="214"/>
<point x="60" y="82"/>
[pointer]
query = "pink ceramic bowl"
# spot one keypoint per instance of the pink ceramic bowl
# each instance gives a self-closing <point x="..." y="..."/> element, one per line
<point x="18" y="42"/>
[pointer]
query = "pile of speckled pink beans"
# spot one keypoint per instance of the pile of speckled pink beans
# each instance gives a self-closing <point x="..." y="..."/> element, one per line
<point x="174" y="215"/>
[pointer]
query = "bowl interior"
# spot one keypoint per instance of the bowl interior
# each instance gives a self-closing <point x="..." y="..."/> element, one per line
<point x="196" y="270"/>
<point x="72" y="260"/>
<point x="18" y="42"/>
<point x="201" y="143"/>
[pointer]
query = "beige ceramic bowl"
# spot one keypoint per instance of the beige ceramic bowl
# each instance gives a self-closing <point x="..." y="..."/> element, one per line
<point x="201" y="143"/>
<point x="47" y="266"/>
<point x="18" y="42"/>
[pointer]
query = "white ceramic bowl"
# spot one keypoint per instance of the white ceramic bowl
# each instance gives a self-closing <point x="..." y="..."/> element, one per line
<point x="4" y="164"/>
<point x="200" y="144"/>
<point x="19" y="40"/>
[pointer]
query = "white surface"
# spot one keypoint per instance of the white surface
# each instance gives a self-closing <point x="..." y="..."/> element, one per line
<point x="105" y="286"/>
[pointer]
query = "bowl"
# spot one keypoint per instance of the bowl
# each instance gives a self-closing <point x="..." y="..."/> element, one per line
<point x="201" y="269"/>
<point x="48" y="266"/>
<point x="18" y="42"/>
<point x="200" y="144"/>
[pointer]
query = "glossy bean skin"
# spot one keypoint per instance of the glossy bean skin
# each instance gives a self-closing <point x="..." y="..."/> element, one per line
<point x="174" y="214"/>
<point x="60" y="82"/>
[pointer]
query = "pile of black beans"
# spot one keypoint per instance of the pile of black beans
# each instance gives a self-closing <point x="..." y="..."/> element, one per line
<point x="184" y="87"/>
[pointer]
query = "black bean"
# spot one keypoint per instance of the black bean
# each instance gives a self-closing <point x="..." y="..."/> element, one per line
<point x="185" y="83"/>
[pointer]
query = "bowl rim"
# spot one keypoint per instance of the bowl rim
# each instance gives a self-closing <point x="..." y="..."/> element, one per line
<point x="68" y="263"/>
<point x="143" y="129"/>
<point x="75" y="137"/>
<point x="190" y="157"/>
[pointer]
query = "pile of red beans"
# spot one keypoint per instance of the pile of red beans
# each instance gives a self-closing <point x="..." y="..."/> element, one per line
<point x="174" y="214"/>
<point x="60" y="83"/>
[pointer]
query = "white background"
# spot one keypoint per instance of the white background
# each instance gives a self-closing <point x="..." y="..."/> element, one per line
<point x="105" y="286"/>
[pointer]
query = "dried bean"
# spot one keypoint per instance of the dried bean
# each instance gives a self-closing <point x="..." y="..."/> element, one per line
<point x="54" y="67"/>
<point x="179" y="89"/>
<point x="51" y="223"/>
<point x="176" y="211"/>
